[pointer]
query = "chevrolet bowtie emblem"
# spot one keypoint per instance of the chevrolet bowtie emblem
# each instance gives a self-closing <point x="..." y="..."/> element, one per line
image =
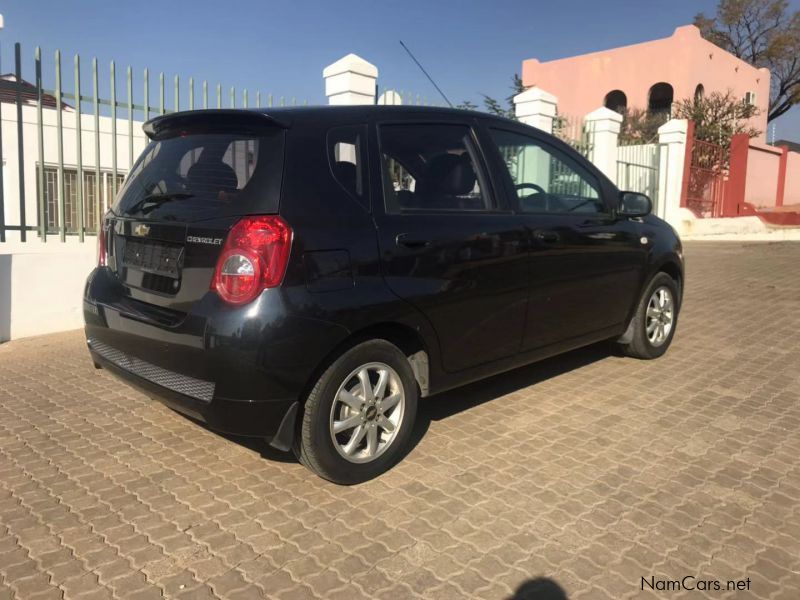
<point x="141" y="230"/>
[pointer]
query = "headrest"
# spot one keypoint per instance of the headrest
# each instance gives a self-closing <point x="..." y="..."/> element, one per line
<point x="448" y="174"/>
<point x="211" y="177"/>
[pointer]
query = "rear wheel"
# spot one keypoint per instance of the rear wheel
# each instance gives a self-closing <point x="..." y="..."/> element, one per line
<point x="359" y="416"/>
<point x="655" y="319"/>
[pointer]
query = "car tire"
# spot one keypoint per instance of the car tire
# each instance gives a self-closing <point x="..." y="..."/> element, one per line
<point x="349" y="436"/>
<point x="655" y="320"/>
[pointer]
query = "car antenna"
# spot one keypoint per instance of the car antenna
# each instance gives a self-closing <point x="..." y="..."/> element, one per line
<point x="426" y="73"/>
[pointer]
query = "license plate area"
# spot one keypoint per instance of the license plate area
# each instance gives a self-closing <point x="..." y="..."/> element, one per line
<point x="158" y="258"/>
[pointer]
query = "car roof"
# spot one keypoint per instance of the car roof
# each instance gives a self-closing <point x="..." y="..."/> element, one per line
<point x="367" y="110"/>
<point x="318" y="115"/>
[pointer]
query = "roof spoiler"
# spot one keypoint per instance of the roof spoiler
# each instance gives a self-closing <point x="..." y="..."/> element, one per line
<point x="211" y="121"/>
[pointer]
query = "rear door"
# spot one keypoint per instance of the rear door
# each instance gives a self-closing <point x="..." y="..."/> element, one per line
<point x="449" y="245"/>
<point x="586" y="265"/>
<point x="166" y="229"/>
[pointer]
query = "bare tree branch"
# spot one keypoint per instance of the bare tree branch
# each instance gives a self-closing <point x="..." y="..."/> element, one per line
<point x="765" y="34"/>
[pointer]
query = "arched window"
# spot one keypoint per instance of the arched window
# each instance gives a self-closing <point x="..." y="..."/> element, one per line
<point x="699" y="91"/>
<point x="660" y="98"/>
<point x="616" y="100"/>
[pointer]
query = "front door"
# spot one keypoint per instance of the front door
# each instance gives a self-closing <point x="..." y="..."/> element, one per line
<point x="447" y="245"/>
<point x="586" y="265"/>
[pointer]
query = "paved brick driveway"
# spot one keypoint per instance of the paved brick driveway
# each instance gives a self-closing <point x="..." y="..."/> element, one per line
<point x="591" y="470"/>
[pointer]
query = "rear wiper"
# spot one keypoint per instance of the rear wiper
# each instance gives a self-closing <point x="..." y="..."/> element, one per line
<point x="157" y="200"/>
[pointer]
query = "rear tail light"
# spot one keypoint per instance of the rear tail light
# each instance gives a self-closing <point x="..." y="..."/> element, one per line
<point x="102" y="254"/>
<point x="253" y="258"/>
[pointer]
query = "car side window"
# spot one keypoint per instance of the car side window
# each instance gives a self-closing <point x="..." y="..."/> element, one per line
<point x="545" y="180"/>
<point x="431" y="167"/>
<point x="346" y="158"/>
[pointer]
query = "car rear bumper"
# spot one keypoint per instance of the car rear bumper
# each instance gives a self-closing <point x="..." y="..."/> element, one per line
<point x="257" y="418"/>
<point x="238" y="370"/>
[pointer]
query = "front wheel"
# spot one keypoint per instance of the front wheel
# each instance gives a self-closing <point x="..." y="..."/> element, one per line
<point x="359" y="416"/>
<point x="655" y="320"/>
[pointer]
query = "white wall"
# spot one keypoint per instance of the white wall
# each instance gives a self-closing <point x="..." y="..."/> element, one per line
<point x="41" y="286"/>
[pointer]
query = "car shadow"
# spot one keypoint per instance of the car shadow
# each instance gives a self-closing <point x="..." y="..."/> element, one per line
<point x="450" y="403"/>
<point x="261" y="446"/>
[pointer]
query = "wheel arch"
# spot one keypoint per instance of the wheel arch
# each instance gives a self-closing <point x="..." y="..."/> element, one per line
<point x="408" y="338"/>
<point x="674" y="270"/>
<point x="668" y="266"/>
<point x="410" y="342"/>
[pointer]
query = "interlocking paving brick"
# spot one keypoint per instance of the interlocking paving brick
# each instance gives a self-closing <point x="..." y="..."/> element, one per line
<point x="587" y="472"/>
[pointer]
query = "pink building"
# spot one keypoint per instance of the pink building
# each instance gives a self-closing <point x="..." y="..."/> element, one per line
<point x="650" y="75"/>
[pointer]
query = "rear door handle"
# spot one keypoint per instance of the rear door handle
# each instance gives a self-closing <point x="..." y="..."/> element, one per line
<point x="407" y="241"/>
<point x="543" y="235"/>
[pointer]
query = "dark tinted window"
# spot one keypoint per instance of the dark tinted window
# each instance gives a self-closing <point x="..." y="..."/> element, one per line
<point x="203" y="175"/>
<point x="545" y="179"/>
<point x="431" y="167"/>
<point x="346" y="157"/>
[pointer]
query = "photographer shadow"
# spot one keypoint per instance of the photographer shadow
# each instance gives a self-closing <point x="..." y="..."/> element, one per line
<point x="541" y="588"/>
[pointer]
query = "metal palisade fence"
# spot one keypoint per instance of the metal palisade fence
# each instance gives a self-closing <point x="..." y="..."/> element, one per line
<point x="395" y="97"/>
<point x="65" y="150"/>
<point x="642" y="168"/>
<point x="574" y="131"/>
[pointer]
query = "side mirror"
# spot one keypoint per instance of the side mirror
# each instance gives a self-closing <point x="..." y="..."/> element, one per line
<point x="634" y="204"/>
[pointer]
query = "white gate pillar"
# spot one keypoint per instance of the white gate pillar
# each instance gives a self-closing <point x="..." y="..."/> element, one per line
<point x="536" y="107"/>
<point x="350" y="80"/>
<point x="673" y="137"/>
<point x="603" y="127"/>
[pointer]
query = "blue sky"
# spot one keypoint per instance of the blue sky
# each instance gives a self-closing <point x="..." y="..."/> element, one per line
<point x="469" y="47"/>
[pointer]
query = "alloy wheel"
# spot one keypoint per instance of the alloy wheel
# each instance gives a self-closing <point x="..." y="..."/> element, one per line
<point x="660" y="316"/>
<point x="367" y="412"/>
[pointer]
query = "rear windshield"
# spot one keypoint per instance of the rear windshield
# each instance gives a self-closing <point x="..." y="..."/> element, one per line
<point x="200" y="176"/>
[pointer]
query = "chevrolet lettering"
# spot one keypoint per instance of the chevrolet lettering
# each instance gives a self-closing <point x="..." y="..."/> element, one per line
<point x="204" y="240"/>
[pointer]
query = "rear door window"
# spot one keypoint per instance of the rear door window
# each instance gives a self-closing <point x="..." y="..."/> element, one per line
<point x="432" y="167"/>
<point x="194" y="176"/>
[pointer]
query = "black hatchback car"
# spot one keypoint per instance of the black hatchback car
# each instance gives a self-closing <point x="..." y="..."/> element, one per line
<point x="306" y="275"/>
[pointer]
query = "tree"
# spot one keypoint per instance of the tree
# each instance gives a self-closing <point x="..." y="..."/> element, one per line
<point x="516" y="88"/>
<point x="467" y="105"/>
<point x="718" y="117"/>
<point x="765" y="34"/>
<point x="493" y="106"/>
<point x="641" y="126"/>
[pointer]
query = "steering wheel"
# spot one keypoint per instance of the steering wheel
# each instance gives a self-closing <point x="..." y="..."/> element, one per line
<point x="530" y="186"/>
<point x="539" y="201"/>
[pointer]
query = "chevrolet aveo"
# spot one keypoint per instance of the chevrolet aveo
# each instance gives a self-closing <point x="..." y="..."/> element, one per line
<point x="306" y="275"/>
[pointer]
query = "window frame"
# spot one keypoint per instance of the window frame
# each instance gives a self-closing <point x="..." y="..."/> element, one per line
<point x="585" y="171"/>
<point x="496" y="199"/>
<point x="363" y="156"/>
<point x="103" y="196"/>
